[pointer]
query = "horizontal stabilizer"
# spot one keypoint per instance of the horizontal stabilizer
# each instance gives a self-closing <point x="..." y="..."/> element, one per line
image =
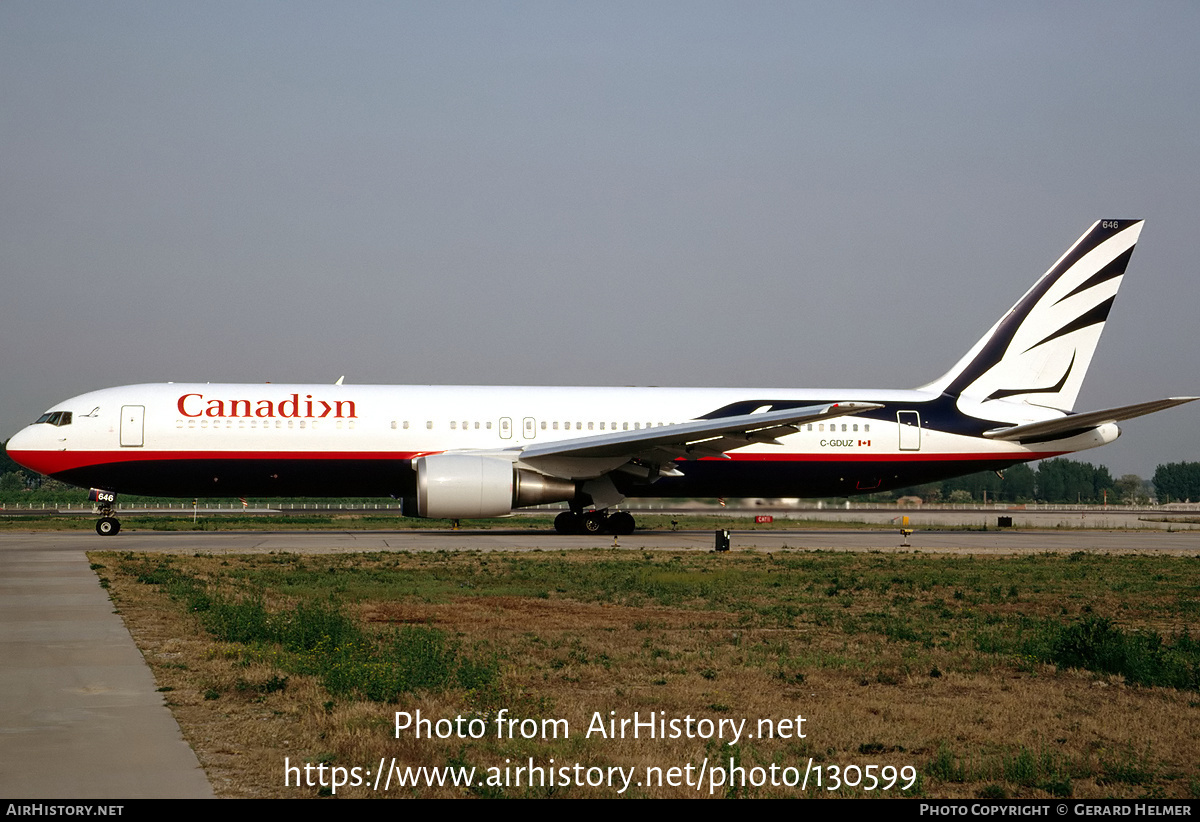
<point x="1077" y="423"/>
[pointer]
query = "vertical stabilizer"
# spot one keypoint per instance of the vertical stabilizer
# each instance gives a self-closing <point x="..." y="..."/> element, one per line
<point x="1039" y="351"/>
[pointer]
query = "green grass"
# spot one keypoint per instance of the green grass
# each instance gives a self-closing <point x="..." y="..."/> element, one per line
<point x="1043" y="770"/>
<point x="317" y="638"/>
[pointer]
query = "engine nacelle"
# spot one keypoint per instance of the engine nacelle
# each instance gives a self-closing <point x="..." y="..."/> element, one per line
<point x="452" y="486"/>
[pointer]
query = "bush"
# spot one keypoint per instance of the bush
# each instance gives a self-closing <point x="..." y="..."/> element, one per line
<point x="1143" y="658"/>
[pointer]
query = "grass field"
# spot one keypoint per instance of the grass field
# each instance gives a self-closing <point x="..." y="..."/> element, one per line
<point x="956" y="676"/>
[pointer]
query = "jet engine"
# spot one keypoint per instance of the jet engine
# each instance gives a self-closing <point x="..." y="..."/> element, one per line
<point x="452" y="486"/>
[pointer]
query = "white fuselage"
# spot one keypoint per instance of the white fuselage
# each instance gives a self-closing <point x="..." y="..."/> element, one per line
<point x="333" y="440"/>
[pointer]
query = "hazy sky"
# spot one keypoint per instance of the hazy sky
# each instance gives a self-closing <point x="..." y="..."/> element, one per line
<point x="748" y="194"/>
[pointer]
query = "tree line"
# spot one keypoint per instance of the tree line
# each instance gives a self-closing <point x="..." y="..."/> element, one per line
<point x="1060" y="481"/>
<point x="1178" y="481"/>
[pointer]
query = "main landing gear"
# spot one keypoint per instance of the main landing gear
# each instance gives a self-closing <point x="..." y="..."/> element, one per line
<point x="594" y="522"/>
<point x="108" y="525"/>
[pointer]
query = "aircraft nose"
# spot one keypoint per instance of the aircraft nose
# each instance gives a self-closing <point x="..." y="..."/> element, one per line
<point x="27" y="449"/>
<point x="18" y="441"/>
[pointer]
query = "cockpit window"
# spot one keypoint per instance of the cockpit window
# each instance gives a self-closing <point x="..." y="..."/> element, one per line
<point x="59" y="418"/>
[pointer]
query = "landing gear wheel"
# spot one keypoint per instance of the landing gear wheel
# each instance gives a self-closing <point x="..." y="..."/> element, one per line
<point x="108" y="526"/>
<point x="568" y="522"/>
<point x="593" y="523"/>
<point x="621" y="523"/>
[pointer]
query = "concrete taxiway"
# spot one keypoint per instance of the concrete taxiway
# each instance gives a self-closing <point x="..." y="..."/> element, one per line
<point x="81" y="717"/>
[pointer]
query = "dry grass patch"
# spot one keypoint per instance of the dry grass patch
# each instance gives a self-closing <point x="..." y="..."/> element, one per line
<point x="941" y="663"/>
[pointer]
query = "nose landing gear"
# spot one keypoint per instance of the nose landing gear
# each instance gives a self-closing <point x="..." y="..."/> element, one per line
<point x="108" y="525"/>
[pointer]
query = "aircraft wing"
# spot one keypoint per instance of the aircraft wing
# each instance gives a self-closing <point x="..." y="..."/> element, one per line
<point x="687" y="440"/>
<point x="1077" y="423"/>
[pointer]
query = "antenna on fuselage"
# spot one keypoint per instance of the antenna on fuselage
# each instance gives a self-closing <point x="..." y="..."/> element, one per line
<point x="339" y="379"/>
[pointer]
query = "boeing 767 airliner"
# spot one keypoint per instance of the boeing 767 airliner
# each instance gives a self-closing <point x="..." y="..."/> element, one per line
<point x="483" y="451"/>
